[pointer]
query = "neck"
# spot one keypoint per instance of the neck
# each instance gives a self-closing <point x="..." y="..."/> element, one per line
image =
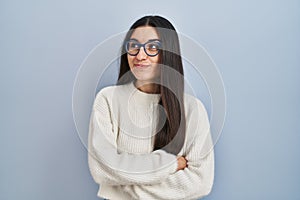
<point x="151" y="88"/>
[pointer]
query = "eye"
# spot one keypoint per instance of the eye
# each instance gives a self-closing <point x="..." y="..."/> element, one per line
<point x="133" y="45"/>
<point x="153" y="46"/>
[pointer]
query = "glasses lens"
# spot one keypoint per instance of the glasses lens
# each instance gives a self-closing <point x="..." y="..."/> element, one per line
<point x="132" y="47"/>
<point x="152" y="48"/>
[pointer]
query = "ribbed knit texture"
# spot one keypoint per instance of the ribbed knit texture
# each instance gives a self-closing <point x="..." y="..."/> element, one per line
<point x="121" y="157"/>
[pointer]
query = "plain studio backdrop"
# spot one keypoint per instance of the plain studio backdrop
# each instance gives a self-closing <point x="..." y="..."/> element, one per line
<point x="255" y="45"/>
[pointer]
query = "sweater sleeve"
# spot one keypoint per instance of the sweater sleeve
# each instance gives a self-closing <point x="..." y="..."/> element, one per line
<point x="110" y="167"/>
<point x="196" y="180"/>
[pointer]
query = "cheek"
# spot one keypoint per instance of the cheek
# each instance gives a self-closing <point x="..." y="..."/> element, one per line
<point x="155" y="59"/>
<point x="156" y="68"/>
<point x="157" y="65"/>
<point x="130" y="60"/>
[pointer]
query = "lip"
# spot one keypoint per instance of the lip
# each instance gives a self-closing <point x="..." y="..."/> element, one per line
<point x="141" y="65"/>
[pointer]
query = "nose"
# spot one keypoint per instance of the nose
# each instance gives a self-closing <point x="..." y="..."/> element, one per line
<point x="142" y="54"/>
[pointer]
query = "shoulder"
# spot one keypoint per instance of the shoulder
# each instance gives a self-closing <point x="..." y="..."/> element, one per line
<point x="193" y="106"/>
<point x="111" y="94"/>
<point x="196" y="114"/>
<point x="113" y="91"/>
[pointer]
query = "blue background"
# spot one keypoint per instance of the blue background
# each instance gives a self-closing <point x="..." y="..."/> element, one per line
<point x="255" y="45"/>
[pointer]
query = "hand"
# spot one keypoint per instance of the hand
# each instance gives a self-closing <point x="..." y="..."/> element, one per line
<point x="182" y="163"/>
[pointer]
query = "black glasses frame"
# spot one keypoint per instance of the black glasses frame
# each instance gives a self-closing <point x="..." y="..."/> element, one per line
<point x="144" y="47"/>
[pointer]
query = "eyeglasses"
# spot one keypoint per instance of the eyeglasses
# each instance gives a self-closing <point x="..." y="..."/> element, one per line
<point x="151" y="48"/>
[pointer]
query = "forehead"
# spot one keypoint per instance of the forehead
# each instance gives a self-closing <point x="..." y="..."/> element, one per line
<point x="144" y="33"/>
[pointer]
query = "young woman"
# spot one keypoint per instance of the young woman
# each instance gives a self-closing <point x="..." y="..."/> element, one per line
<point x="147" y="138"/>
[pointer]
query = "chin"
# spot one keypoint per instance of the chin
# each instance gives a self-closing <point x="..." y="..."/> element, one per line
<point x="144" y="77"/>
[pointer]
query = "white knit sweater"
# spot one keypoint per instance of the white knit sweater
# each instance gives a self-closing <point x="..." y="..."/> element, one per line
<point x="121" y="157"/>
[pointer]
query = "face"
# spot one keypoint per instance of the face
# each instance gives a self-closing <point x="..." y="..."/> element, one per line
<point x="144" y="67"/>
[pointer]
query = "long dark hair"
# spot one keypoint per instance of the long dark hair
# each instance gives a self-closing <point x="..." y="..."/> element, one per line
<point x="172" y="134"/>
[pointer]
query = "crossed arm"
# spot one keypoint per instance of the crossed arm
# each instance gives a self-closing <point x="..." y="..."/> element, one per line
<point x="157" y="175"/>
<point x="194" y="181"/>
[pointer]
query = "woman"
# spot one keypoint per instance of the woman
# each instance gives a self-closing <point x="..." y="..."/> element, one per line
<point x="147" y="138"/>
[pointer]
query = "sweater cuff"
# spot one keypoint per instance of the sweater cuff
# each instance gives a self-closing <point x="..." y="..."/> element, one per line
<point x="169" y="159"/>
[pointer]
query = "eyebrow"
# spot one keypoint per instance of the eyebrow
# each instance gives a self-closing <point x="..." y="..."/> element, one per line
<point x="151" y="40"/>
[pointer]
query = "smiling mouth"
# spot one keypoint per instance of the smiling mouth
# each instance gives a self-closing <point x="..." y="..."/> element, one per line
<point x="141" y="66"/>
